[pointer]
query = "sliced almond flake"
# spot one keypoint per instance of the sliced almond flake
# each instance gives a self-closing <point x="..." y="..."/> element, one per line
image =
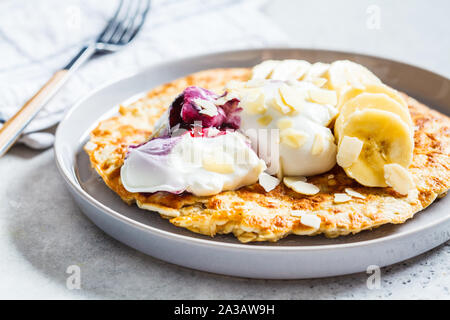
<point x="268" y="182"/>
<point x="285" y="123"/>
<point x="341" y="197"/>
<point x="323" y="96"/>
<point x="413" y="196"/>
<point x="208" y="107"/>
<point x="264" y="69"/>
<point x="205" y="104"/>
<point x="222" y="100"/>
<point x="298" y="185"/>
<point x="254" y="102"/>
<point x="212" y="132"/>
<point x="294" y="97"/>
<point x="307" y="219"/>
<point x="229" y="96"/>
<point x="320" y="82"/>
<point x="265" y="120"/>
<point x="279" y="105"/>
<point x="209" y="112"/>
<point x="332" y="111"/>
<point x="354" y="193"/>
<point x="294" y="179"/>
<point x="348" y="151"/>
<point x="290" y="69"/>
<point x="398" y="178"/>
<point x="293" y="138"/>
<point x="311" y="220"/>
<point x="318" y="145"/>
<point x="218" y="162"/>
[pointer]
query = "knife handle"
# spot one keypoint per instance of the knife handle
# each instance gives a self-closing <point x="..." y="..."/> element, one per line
<point x="12" y="129"/>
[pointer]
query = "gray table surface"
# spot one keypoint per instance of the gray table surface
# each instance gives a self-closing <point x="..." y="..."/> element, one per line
<point x="42" y="232"/>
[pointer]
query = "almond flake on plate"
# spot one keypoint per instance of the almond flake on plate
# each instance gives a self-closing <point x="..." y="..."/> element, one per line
<point x="307" y="218"/>
<point x="354" y="193"/>
<point x="398" y="178"/>
<point x="299" y="185"/>
<point x="311" y="220"/>
<point x="341" y="197"/>
<point x="268" y="182"/>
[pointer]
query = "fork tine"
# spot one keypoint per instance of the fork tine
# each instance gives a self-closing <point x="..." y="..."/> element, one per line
<point x="126" y="22"/>
<point x="118" y="29"/>
<point x="110" y="22"/>
<point x="118" y="23"/>
<point x="131" y="33"/>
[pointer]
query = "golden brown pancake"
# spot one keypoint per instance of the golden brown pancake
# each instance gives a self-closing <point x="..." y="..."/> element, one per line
<point x="252" y="214"/>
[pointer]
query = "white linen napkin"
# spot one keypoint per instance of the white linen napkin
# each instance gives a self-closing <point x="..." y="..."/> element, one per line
<point x="40" y="37"/>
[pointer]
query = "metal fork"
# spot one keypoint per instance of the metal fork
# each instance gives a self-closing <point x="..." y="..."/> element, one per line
<point x="120" y="30"/>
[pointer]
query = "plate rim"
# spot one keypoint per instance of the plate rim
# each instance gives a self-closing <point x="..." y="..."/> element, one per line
<point x="76" y="187"/>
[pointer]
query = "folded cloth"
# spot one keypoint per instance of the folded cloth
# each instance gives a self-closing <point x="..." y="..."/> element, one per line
<point x="39" y="37"/>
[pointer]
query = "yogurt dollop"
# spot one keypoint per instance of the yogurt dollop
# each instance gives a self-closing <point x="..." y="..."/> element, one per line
<point x="287" y="124"/>
<point x="202" y="163"/>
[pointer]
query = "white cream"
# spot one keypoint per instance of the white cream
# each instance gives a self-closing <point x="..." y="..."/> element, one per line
<point x="292" y="141"/>
<point x="199" y="165"/>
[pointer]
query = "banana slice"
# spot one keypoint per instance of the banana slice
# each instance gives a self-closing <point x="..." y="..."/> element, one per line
<point x="350" y="93"/>
<point x="365" y="101"/>
<point x="386" y="140"/>
<point x="344" y="73"/>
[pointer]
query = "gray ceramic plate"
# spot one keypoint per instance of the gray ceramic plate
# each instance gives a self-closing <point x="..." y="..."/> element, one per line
<point x="293" y="257"/>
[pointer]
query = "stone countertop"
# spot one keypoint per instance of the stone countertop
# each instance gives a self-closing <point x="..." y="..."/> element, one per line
<point x="42" y="232"/>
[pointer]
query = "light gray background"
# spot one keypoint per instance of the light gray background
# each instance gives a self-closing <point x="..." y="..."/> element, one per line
<point x="42" y="232"/>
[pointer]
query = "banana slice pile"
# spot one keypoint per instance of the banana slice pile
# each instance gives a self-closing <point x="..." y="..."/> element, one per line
<point x="373" y="130"/>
